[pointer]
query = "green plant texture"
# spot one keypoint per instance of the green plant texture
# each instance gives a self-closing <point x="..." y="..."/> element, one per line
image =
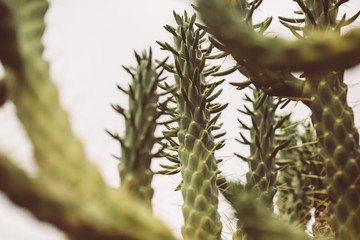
<point x="298" y="173"/>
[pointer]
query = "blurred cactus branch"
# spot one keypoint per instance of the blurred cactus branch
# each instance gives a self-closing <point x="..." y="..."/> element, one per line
<point x="68" y="190"/>
<point x="89" y="210"/>
<point x="325" y="51"/>
<point x="274" y="82"/>
<point x="254" y="218"/>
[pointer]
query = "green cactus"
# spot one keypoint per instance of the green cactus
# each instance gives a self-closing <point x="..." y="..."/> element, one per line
<point x="139" y="139"/>
<point x="338" y="140"/>
<point x="319" y="173"/>
<point x="68" y="190"/>
<point x="326" y="51"/>
<point x="196" y="143"/>
<point x="261" y="177"/>
<point x="298" y="183"/>
<point x="263" y="146"/>
<point x="322" y="90"/>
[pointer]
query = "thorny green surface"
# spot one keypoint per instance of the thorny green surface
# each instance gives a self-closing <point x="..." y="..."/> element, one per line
<point x="296" y="183"/>
<point x="196" y="144"/>
<point x="140" y="124"/>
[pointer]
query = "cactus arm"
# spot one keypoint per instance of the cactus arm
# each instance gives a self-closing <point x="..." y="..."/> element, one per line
<point x="229" y="191"/>
<point x="326" y="50"/>
<point x="256" y="221"/>
<point x="196" y="144"/>
<point x="84" y="211"/>
<point x="35" y="96"/>
<point x="297" y="181"/>
<point x="263" y="146"/>
<point x="68" y="191"/>
<point x="259" y="223"/>
<point x="338" y="137"/>
<point x="279" y="83"/>
<point x="140" y="121"/>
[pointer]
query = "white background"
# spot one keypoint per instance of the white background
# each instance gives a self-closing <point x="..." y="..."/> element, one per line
<point x="86" y="42"/>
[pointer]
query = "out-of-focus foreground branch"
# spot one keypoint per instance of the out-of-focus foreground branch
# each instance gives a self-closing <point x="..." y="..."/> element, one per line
<point x="68" y="191"/>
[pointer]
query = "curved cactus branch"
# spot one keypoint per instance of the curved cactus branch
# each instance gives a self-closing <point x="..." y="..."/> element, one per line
<point x="326" y="50"/>
<point x="68" y="191"/>
<point x="255" y="220"/>
<point x="87" y="210"/>
<point x="281" y="83"/>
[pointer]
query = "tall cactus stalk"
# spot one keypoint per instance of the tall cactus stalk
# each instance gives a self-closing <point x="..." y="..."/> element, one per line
<point x="334" y="124"/>
<point x="261" y="177"/>
<point x="196" y="142"/>
<point x="339" y="142"/>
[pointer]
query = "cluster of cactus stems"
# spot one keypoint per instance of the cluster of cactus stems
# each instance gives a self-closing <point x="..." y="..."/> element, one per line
<point x="294" y="169"/>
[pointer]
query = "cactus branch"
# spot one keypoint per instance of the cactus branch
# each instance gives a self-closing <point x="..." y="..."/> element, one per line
<point x="68" y="190"/>
<point x="326" y="50"/>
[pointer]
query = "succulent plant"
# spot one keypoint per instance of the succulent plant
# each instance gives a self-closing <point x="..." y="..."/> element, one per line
<point x="139" y="139"/>
<point x="196" y="143"/>
<point x="313" y="169"/>
<point x="298" y="184"/>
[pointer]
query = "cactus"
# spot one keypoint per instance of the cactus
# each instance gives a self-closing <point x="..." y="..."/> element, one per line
<point x="196" y="143"/>
<point x="263" y="145"/>
<point x="137" y="144"/>
<point x="308" y="172"/>
<point x="325" y="52"/>
<point x="323" y="89"/>
<point x="68" y="190"/>
<point x="298" y="186"/>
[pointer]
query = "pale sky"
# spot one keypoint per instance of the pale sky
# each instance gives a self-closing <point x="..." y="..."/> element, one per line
<point x="86" y="43"/>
